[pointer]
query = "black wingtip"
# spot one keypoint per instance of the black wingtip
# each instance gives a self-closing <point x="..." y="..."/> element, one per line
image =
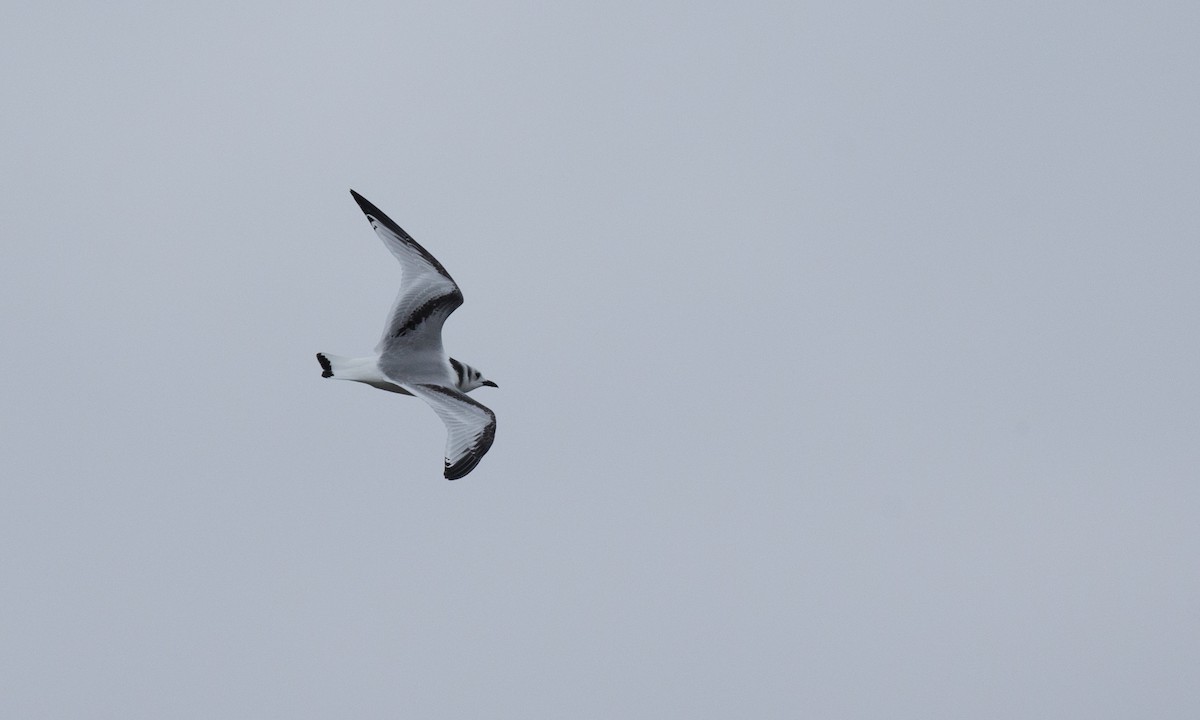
<point x="368" y="207"/>
<point x="462" y="468"/>
<point x="326" y="368"/>
<point x="470" y="461"/>
<point x="371" y="211"/>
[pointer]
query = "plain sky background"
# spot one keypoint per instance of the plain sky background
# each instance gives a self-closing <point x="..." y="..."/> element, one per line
<point x="847" y="356"/>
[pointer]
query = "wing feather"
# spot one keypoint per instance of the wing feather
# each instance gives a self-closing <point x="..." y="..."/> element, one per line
<point x="427" y="292"/>
<point x="470" y="426"/>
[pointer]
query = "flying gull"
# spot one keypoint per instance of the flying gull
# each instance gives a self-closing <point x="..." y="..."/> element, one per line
<point x="409" y="358"/>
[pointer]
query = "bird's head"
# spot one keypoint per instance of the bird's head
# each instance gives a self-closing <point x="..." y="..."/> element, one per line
<point x="468" y="378"/>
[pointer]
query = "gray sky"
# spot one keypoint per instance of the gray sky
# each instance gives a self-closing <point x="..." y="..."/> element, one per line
<point x="847" y="358"/>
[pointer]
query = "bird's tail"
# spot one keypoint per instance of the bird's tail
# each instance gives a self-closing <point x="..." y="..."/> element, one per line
<point x="330" y="364"/>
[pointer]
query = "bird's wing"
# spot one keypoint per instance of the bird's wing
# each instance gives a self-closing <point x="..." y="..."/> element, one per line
<point x="470" y="427"/>
<point x="427" y="292"/>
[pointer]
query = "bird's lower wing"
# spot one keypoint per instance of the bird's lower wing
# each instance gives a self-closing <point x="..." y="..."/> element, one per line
<point x="470" y="426"/>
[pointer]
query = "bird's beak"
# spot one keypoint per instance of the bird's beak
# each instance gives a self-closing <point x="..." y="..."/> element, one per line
<point x="489" y="383"/>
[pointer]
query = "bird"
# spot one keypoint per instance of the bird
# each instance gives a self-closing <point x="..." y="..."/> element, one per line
<point x="409" y="358"/>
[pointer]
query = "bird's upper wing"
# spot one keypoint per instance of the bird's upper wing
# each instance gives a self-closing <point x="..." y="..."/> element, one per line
<point x="427" y="292"/>
<point x="470" y="426"/>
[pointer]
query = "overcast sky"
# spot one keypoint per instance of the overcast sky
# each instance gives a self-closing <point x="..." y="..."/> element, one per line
<point x="847" y="356"/>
